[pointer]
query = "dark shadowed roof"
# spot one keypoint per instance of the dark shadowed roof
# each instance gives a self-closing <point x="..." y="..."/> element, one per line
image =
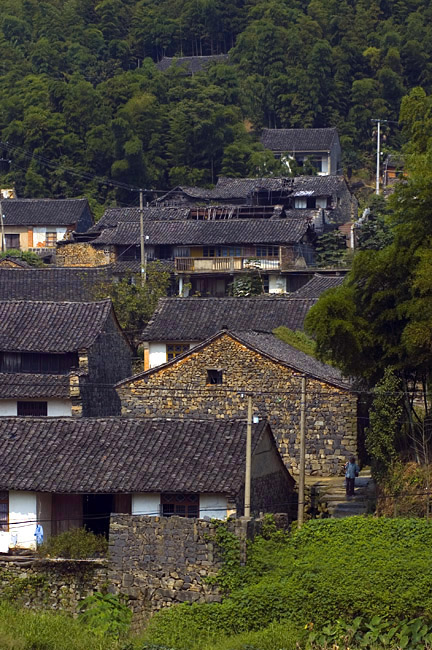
<point x="50" y="283"/>
<point x="318" y="284"/>
<point x="44" y="212"/>
<point x="86" y="455"/>
<point x="112" y="216"/>
<point x="195" y="319"/>
<point x="238" y="188"/>
<point x="286" y="354"/>
<point x="29" y="386"/>
<point x="193" y="63"/>
<point x="9" y="261"/>
<point x="298" y="139"/>
<point x="54" y="327"/>
<point x="212" y="233"/>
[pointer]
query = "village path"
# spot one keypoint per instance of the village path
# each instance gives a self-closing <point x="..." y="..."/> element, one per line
<point x="329" y="495"/>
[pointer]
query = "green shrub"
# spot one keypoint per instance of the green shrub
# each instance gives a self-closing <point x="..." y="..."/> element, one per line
<point x="26" y="256"/>
<point x="106" y="614"/>
<point x="77" y="543"/>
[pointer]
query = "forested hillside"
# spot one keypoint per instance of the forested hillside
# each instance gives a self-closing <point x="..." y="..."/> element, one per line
<point x="79" y="87"/>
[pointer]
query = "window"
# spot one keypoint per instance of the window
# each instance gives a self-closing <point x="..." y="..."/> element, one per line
<point x="214" y="377"/>
<point x="4" y="510"/>
<point x="36" y="409"/>
<point x="175" y="349"/>
<point x="52" y="364"/>
<point x="12" y="241"/>
<point x="182" y="505"/>
<point x="209" y="252"/>
<point x="267" y="251"/>
<point x="51" y="239"/>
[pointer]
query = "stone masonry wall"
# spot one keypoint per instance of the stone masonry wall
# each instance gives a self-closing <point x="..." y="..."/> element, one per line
<point x="331" y="412"/>
<point x="51" y="584"/>
<point x="82" y="255"/>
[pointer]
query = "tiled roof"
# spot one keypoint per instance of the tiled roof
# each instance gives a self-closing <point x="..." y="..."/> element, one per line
<point x="8" y="261"/>
<point x="50" y="283"/>
<point x="318" y="284"/>
<point x="193" y="63"/>
<point x="195" y="319"/>
<point x="88" y="455"/>
<point x="286" y="354"/>
<point x="112" y="216"/>
<point x="29" y="386"/>
<point x="298" y="139"/>
<point x="319" y="185"/>
<point x="43" y="212"/>
<point x="55" y="327"/>
<point x="238" y="188"/>
<point x="212" y="233"/>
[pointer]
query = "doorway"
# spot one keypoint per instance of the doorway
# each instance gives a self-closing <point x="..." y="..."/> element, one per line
<point x="96" y="512"/>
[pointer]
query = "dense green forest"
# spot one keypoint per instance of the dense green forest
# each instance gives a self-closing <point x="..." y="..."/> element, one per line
<point x="79" y="88"/>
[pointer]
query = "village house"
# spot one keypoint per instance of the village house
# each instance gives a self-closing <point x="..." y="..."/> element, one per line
<point x="318" y="284"/>
<point x="179" y="324"/>
<point x="63" y="473"/>
<point x="38" y="224"/>
<point x="208" y="255"/>
<point x="321" y="147"/>
<point x="212" y="379"/>
<point x="60" y="358"/>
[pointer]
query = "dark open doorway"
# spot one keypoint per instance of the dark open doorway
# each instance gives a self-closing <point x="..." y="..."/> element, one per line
<point x="96" y="512"/>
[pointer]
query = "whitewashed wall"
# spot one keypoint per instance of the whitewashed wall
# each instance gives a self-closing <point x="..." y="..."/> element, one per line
<point x="55" y="407"/>
<point x="277" y="284"/>
<point x="23" y="517"/>
<point x="144" y="503"/>
<point x="157" y="354"/>
<point x="8" y="408"/>
<point x="213" y="506"/>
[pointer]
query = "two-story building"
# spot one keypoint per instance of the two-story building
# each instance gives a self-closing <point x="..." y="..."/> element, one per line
<point x="321" y="147"/>
<point x="61" y="358"/>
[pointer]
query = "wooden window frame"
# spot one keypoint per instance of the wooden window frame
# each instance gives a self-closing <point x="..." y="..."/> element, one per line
<point x="4" y="516"/>
<point x="174" y="350"/>
<point x="180" y="505"/>
<point x="51" y="238"/>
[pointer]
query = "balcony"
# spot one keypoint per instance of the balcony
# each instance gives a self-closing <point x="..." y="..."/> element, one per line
<point x="225" y="264"/>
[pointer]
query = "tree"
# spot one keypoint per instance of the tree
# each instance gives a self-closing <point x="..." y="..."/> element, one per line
<point x="134" y="303"/>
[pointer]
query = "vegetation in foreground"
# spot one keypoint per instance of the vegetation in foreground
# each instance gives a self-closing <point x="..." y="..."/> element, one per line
<point x="357" y="582"/>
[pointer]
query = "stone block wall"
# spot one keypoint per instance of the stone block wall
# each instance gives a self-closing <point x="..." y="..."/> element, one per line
<point x="51" y="584"/>
<point x="331" y="412"/>
<point x="82" y="255"/>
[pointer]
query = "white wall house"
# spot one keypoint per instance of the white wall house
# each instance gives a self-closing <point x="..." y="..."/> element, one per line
<point x="54" y="407"/>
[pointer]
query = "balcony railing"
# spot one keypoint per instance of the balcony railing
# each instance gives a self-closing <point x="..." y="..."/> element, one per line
<point x="225" y="264"/>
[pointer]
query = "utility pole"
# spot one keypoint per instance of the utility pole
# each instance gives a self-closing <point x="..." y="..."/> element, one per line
<point x="378" y="156"/>
<point x="301" y="496"/>
<point x="142" y="242"/>
<point x="3" y="241"/>
<point x="247" y="494"/>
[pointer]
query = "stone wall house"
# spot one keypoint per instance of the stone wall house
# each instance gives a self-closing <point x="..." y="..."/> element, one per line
<point x="320" y="146"/>
<point x="64" y="472"/>
<point x="213" y="378"/>
<point x="178" y="324"/>
<point x="38" y="224"/>
<point x="61" y="358"/>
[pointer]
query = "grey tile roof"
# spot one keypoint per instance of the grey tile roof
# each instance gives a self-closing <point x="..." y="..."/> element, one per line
<point x="8" y="261"/>
<point x="195" y="319"/>
<point x="319" y="185"/>
<point x="193" y="63"/>
<point x="112" y="216"/>
<point x="211" y="233"/>
<point x="29" y="386"/>
<point x="54" y="327"/>
<point x="298" y="139"/>
<point x="112" y="455"/>
<point x="238" y="188"/>
<point x="318" y="284"/>
<point x="279" y="351"/>
<point x="44" y="212"/>
<point x="50" y="283"/>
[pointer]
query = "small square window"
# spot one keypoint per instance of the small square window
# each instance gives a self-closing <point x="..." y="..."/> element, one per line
<point x="214" y="377"/>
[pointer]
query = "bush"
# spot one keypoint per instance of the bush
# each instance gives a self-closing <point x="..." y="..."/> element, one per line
<point x="330" y="569"/>
<point x="106" y="614"/>
<point x="78" y="543"/>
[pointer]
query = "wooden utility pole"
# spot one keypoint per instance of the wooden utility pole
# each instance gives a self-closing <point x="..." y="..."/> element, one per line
<point x="301" y="495"/>
<point x="3" y="241"/>
<point x="247" y="494"/>
<point x="142" y="242"/>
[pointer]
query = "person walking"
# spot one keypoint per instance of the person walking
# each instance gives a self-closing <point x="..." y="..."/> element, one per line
<point x="351" y="471"/>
